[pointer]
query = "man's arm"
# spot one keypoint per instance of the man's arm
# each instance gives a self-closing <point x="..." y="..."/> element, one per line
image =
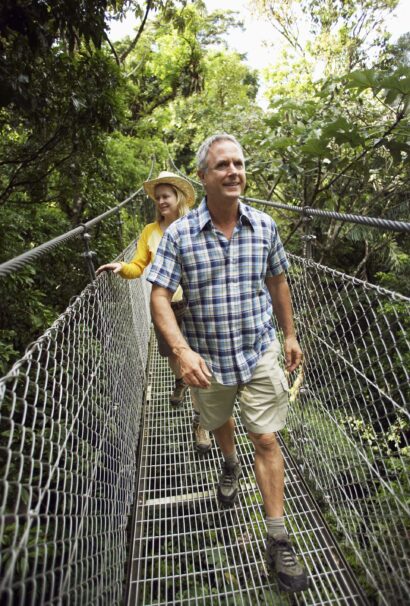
<point x="193" y="368"/>
<point x="282" y="308"/>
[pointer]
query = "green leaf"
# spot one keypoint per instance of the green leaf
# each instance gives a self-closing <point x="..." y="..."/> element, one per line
<point x="282" y="142"/>
<point x="398" y="82"/>
<point x="315" y="147"/>
<point x="396" y="149"/>
<point x="363" y="79"/>
<point x="344" y="132"/>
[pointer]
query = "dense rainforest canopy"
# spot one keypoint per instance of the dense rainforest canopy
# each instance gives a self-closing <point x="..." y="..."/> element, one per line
<point x="81" y="117"/>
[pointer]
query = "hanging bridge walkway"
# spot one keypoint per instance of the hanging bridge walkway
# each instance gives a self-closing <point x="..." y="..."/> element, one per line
<point x="104" y="501"/>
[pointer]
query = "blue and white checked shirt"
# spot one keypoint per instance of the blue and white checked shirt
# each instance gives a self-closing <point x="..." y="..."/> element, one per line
<point x="228" y="320"/>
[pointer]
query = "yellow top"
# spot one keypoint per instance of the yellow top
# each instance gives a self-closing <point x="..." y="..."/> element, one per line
<point x="145" y="254"/>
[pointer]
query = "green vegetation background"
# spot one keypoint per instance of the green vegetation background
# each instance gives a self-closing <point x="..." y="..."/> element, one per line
<point x="81" y="117"/>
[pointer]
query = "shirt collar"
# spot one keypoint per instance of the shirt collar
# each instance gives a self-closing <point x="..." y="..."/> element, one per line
<point x="245" y="215"/>
<point x="204" y="218"/>
<point x="205" y="221"/>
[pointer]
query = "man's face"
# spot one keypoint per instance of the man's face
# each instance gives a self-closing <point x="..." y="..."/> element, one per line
<point x="225" y="176"/>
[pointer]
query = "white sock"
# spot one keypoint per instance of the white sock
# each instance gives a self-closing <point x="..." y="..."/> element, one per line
<point x="276" y="526"/>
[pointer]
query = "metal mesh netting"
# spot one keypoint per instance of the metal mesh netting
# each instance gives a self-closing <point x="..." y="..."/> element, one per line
<point x="349" y="428"/>
<point x="70" y="415"/>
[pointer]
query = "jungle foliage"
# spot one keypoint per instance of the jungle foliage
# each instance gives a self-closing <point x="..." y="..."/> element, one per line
<point x="81" y="117"/>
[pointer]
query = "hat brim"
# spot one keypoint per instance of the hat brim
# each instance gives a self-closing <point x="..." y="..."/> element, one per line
<point x="180" y="183"/>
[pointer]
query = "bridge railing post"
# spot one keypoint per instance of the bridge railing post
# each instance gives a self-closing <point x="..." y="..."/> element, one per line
<point x="308" y="238"/>
<point x="119" y="225"/>
<point x="88" y="254"/>
<point x="133" y="215"/>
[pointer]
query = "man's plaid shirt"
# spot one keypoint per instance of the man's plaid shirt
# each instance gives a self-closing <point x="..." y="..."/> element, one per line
<point x="228" y="320"/>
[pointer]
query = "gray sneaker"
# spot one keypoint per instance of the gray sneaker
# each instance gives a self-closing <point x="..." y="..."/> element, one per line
<point x="178" y="394"/>
<point x="281" y="561"/>
<point x="201" y="437"/>
<point x="228" y="483"/>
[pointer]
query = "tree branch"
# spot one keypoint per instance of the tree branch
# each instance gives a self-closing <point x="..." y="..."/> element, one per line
<point x="284" y="31"/>
<point x="47" y="146"/>
<point x="318" y="177"/>
<point x="137" y="37"/>
<point x="114" y="52"/>
<point x="296" y="227"/>
<point x="363" y="153"/>
<point x="13" y="185"/>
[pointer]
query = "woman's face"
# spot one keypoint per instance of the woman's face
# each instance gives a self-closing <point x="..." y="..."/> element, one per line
<point x="166" y="201"/>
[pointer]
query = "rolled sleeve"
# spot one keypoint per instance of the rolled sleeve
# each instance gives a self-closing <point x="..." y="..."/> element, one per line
<point x="166" y="269"/>
<point x="277" y="260"/>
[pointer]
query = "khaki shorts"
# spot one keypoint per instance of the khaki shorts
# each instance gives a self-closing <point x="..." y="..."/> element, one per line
<point x="163" y="347"/>
<point x="263" y="401"/>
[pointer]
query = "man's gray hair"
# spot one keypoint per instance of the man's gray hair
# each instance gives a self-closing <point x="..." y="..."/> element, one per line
<point x="202" y="155"/>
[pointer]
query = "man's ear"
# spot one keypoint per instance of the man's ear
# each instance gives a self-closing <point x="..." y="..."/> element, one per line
<point x="201" y="175"/>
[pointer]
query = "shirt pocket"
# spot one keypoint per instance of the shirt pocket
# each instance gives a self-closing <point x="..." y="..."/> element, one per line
<point x="280" y="384"/>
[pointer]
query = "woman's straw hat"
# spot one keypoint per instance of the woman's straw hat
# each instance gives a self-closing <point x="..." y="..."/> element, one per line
<point x="167" y="178"/>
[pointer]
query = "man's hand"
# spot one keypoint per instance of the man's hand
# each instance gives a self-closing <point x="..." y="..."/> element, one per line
<point x="114" y="267"/>
<point x="193" y="368"/>
<point x="293" y="354"/>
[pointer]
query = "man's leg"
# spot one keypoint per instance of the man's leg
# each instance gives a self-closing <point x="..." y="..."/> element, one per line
<point x="225" y="437"/>
<point x="216" y="405"/>
<point x="231" y="469"/>
<point x="264" y="404"/>
<point x="269" y="472"/>
<point x="202" y="439"/>
<point x="177" y="396"/>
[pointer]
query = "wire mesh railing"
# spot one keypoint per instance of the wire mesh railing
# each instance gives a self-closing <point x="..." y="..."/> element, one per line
<point x="349" y="428"/>
<point x="70" y="415"/>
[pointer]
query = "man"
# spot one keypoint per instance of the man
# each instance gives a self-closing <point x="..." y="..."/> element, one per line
<point x="230" y="263"/>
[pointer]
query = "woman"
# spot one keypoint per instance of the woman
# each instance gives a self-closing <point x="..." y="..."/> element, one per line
<point x="172" y="195"/>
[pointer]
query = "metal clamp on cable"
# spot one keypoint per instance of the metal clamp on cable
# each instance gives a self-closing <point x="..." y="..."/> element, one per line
<point x="88" y="254"/>
<point x="308" y="237"/>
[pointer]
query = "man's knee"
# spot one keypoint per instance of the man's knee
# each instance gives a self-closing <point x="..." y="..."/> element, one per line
<point x="264" y="441"/>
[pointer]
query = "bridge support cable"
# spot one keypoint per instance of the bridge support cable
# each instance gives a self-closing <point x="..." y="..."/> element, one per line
<point x="82" y="231"/>
<point x="306" y="211"/>
<point x="187" y="550"/>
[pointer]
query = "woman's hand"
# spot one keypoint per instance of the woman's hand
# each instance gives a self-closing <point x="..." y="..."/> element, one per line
<point x="114" y="267"/>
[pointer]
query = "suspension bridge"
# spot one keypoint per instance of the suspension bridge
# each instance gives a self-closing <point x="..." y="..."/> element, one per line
<point x="104" y="501"/>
